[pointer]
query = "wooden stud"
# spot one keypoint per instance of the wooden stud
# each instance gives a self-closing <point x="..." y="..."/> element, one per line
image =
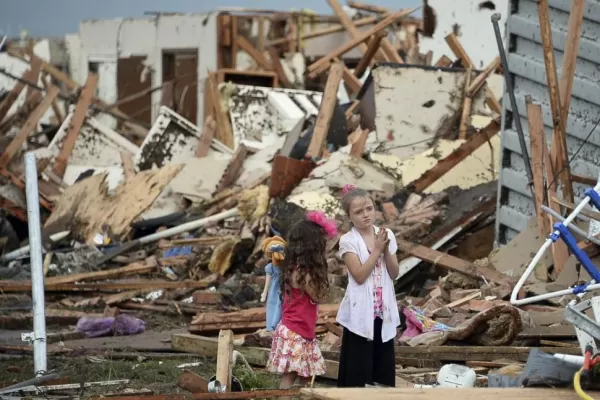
<point x="323" y="32"/>
<point x="127" y="165"/>
<point x="367" y="7"/>
<point x="465" y="117"/>
<point x="60" y="116"/>
<point x="536" y="131"/>
<point x="31" y="123"/>
<point x="36" y="68"/>
<point x="352" y="83"/>
<point x="234" y="168"/>
<point x="225" y="359"/>
<point x="570" y="56"/>
<point x="358" y="148"/>
<point x="328" y="102"/>
<point x="208" y="133"/>
<point x="352" y="30"/>
<point x="481" y="78"/>
<point x="361" y="38"/>
<point x="224" y="129"/>
<point x="257" y="56"/>
<point x="366" y="59"/>
<point x="454" y="158"/>
<point x="261" y="34"/>
<point x="558" y="152"/>
<point x="353" y="107"/>
<point x="459" y="51"/>
<point x="85" y="99"/>
<point x="234" y="42"/>
<point x="13" y="95"/>
<point x="443" y="62"/>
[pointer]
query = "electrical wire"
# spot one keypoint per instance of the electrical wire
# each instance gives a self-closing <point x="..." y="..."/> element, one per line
<point x="577" y="385"/>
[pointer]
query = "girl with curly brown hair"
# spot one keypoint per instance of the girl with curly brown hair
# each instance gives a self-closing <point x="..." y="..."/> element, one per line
<point x="304" y="284"/>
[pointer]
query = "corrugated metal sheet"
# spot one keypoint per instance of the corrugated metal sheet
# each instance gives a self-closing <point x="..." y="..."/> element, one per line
<point x="526" y="64"/>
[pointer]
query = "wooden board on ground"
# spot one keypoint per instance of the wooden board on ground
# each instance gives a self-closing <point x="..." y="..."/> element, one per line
<point x="207" y="347"/>
<point x="89" y="202"/>
<point x="439" y="393"/>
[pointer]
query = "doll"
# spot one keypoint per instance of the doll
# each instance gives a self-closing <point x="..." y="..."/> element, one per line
<point x="273" y="247"/>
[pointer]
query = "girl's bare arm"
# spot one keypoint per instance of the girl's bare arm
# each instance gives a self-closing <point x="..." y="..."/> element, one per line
<point x="360" y="272"/>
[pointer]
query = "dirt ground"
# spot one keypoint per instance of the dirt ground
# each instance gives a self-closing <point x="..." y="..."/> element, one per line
<point x="156" y="372"/>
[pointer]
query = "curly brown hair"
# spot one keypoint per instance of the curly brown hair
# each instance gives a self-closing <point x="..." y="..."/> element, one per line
<point x="305" y="255"/>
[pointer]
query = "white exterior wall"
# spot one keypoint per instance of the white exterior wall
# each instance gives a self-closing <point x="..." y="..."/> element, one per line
<point x="476" y="32"/>
<point x="108" y="40"/>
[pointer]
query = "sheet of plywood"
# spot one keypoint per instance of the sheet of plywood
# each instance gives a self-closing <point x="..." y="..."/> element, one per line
<point x="87" y="205"/>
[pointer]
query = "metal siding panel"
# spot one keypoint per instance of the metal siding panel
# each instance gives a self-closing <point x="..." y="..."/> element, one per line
<point x="526" y="64"/>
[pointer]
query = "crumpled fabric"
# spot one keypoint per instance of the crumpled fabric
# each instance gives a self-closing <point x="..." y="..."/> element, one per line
<point x="122" y="325"/>
<point x="417" y="323"/>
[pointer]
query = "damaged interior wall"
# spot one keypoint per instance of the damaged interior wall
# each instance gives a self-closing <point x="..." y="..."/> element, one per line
<point x="151" y="51"/>
<point x="526" y="63"/>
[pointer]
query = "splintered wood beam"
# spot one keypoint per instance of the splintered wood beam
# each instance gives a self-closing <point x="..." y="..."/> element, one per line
<point x="36" y="69"/>
<point x="465" y="118"/>
<point x="224" y="130"/>
<point x="352" y="83"/>
<point x="558" y="151"/>
<point x="570" y="56"/>
<point x="536" y="131"/>
<point x="481" y="78"/>
<point x="29" y="126"/>
<point x="85" y="99"/>
<point x="452" y="263"/>
<point x="560" y="252"/>
<point x="366" y="59"/>
<point x="13" y="95"/>
<point x="443" y="62"/>
<point x="364" y="36"/>
<point x="256" y="55"/>
<point x="234" y="168"/>
<point x="225" y="359"/>
<point x="324" y="31"/>
<point x="454" y="158"/>
<point x="60" y="116"/>
<point x="367" y="7"/>
<point x="208" y="133"/>
<point x="459" y="51"/>
<point x="352" y="29"/>
<point x="358" y="148"/>
<point x="317" y="142"/>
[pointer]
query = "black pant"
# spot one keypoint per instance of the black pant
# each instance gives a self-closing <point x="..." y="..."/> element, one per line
<point x="365" y="362"/>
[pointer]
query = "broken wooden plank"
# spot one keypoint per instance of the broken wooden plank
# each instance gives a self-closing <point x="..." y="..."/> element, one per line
<point x="326" y="109"/>
<point x="367" y="57"/>
<point x="351" y="82"/>
<point x="224" y="130"/>
<point x="225" y="359"/>
<point x="443" y="62"/>
<point x="478" y="82"/>
<point x="192" y="382"/>
<point x="358" y="147"/>
<point x="459" y="51"/>
<point x="367" y="7"/>
<point x="85" y="99"/>
<point x="208" y="133"/>
<point x="558" y="151"/>
<point x="454" y="158"/>
<point x="132" y="269"/>
<point x="353" y="30"/>
<point x="25" y="286"/>
<point x="60" y="116"/>
<point x="234" y="168"/>
<point x="536" y="131"/>
<point x="453" y="263"/>
<point x="361" y="38"/>
<point x="13" y="95"/>
<point x="208" y="347"/>
<point x="31" y="124"/>
<point x="465" y="118"/>
<point x="256" y="55"/>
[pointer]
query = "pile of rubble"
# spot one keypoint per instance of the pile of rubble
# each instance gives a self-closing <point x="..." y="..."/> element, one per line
<point x="169" y="221"/>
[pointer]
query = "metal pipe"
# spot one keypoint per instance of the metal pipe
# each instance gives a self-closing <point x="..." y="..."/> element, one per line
<point x="513" y="102"/>
<point x="23" y="251"/>
<point x="37" y="272"/>
<point x="574" y="228"/>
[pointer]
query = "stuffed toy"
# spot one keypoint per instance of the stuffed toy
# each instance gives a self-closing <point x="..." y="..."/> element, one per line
<point x="274" y="248"/>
